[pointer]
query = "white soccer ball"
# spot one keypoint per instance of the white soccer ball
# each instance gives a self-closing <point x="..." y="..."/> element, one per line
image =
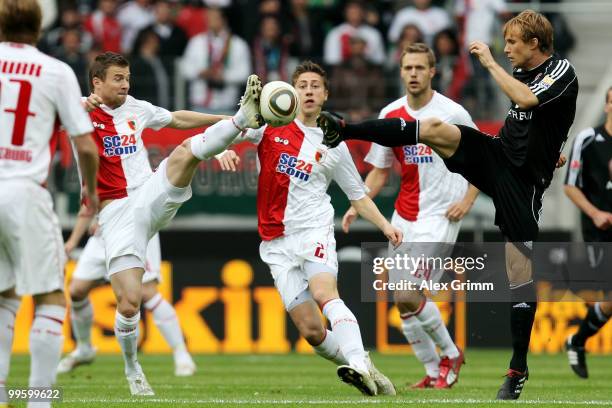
<point x="279" y="103"/>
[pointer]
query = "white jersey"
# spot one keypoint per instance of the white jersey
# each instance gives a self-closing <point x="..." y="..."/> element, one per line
<point x="124" y="161"/>
<point x="427" y="187"/>
<point x="35" y="91"/>
<point x="296" y="170"/>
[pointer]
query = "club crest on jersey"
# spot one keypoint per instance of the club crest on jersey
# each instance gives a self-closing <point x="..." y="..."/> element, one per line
<point x="132" y="124"/>
<point x="119" y="145"/>
<point x="417" y="154"/>
<point x="293" y="167"/>
<point x="320" y="155"/>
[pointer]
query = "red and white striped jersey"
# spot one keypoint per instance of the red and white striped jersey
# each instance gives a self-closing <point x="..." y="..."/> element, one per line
<point x="295" y="172"/>
<point x="124" y="161"/>
<point x="427" y="187"/>
<point x="35" y="91"/>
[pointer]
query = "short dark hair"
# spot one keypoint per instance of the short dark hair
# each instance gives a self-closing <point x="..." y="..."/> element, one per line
<point x="419" y="48"/>
<point x="20" y="21"/>
<point x="310" y="66"/>
<point x="533" y="25"/>
<point x="103" y="62"/>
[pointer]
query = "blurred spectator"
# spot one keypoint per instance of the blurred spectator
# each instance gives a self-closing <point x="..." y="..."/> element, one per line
<point x="337" y="46"/>
<point x="133" y="16"/>
<point x="250" y="16"/>
<point x="270" y="52"/>
<point x="451" y="72"/>
<point x="173" y="39"/>
<point x="70" y="19"/>
<point x="410" y="34"/>
<point x="428" y="18"/>
<point x="564" y="38"/>
<point x="477" y="18"/>
<point x="357" y="85"/>
<point x="151" y="81"/>
<point x="217" y="63"/>
<point x="306" y="34"/>
<point x="192" y="18"/>
<point x="70" y="52"/>
<point x="104" y="27"/>
<point x="48" y="10"/>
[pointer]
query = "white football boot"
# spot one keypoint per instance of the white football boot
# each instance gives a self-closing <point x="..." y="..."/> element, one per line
<point x="79" y="356"/>
<point x="249" y="103"/>
<point x="359" y="379"/>
<point x="139" y="385"/>
<point x="384" y="386"/>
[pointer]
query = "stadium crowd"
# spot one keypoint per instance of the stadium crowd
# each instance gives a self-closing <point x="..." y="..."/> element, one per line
<point x="215" y="44"/>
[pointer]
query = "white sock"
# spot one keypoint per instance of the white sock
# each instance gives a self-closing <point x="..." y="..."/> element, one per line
<point x="46" y="341"/>
<point x="215" y="139"/>
<point x="82" y="320"/>
<point x="432" y="323"/>
<point x="127" y="336"/>
<point x="330" y="349"/>
<point x="8" y="311"/>
<point x="422" y="345"/>
<point x="167" y="322"/>
<point x="346" y="329"/>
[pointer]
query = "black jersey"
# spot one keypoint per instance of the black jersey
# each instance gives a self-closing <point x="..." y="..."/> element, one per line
<point x="590" y="169"/>
<point x="533" y="138"/>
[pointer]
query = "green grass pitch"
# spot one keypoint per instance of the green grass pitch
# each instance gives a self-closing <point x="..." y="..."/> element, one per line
<point x="298" y="380"/>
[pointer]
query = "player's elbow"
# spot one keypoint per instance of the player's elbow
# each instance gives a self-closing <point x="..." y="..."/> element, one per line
<point x="86" y="147"/>
<point x="528" y="101"/>
<point x="569" y="190"/>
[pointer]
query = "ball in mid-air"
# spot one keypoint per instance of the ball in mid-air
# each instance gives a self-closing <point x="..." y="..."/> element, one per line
<point x="279" y="103"/>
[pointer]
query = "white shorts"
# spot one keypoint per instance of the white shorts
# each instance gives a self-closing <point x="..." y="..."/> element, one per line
<point x="127" y="224"/>
<point x="295" y="258"/>
<point x="32" y="254"/>
<point x="92" y="262"/>
<point x="427" y="237"/>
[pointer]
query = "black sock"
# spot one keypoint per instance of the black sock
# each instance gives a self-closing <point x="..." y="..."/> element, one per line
<point x="589" y="326"/>
<point x="522" y="313"/>
<point x="386" y="132"/>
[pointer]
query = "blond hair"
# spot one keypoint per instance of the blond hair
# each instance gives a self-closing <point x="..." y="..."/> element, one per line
<point x="20" y="21"/>
<point x="420" y="48"/>
<point x="533" y="25"/>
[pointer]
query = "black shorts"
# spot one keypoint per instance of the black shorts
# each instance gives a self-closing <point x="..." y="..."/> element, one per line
<point x="481" y="160"/>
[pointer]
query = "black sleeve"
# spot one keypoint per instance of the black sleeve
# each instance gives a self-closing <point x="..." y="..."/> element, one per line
<point x="574" y="169"/>
<point x="555" y="82"/>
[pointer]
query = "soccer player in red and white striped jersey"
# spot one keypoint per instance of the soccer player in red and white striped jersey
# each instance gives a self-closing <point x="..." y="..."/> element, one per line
<point x="429" y="208"/>
<point x="35" y="91"/>
<point x="136" y="202"/>
<point x="296" y="225"/>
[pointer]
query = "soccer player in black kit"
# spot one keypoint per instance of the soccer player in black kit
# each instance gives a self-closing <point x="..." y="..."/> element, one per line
<point x="514" y="169"/>
<point x="589" y="185"/>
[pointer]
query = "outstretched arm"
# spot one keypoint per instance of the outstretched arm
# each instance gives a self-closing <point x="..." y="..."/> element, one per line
<point x="190" y="120"/>
<point x="80" y="227"/>
<point x="517" y="91"/>
<point x="368" y="210"/>
<point x="375" y="180"/>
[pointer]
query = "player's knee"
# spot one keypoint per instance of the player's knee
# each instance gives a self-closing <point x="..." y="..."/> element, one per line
<point x="128" y="305"/>
<point x="78" y="291"/>
<point x="429" y="128"/>
<point x="323" y="295"/>
<point x="314" y="334"/>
